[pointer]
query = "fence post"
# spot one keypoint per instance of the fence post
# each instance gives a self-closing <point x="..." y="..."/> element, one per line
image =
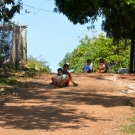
<point x="13" y="52"/>
<point x="25" y="46"/>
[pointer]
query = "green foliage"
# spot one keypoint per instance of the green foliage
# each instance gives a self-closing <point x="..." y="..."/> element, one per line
<point x="8" y="8"/>
<point x="31" y="73"/>
<point x="118" y="15"/>
<point x="7" y="81"/>
<point x="66" y="59"/>
<point x="78" y="11"/>
<point x="9" y="66"/>
<point x="36" y="66"/>
<point x="99" y="47"/>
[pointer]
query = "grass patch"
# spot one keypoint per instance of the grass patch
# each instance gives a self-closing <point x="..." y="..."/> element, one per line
<point x="30" y="73"/>
<point x="36" y="67"/>
<point x="130" y="129"/>
<point x="7" y="81"/>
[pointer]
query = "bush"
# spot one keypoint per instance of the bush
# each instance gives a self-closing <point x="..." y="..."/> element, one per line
<point x="37" y="66"/>
<point x="7" y="81"/>
<point x="114" y="53"/>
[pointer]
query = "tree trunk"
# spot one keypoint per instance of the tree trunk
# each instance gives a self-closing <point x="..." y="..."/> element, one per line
<point x="13" y="55"/>
<point x="132" y="56"/>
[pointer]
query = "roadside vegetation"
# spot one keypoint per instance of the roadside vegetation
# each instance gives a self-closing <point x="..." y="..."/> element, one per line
<point x="130" y="129"/>
<point x="7" y="81"/>
<point x="32" y="68"/>
<point x="36" y="67"/>
<point x="9" y="78"/>
<point x="115" y="53"/>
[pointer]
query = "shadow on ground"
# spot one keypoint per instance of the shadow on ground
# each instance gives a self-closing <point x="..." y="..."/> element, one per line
<point x="40" y="107"/>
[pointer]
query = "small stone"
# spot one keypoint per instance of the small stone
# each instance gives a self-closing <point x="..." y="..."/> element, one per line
<point x="2" y="89"/>
<point x="13" y="93"/>
<point x="3" y="93"/>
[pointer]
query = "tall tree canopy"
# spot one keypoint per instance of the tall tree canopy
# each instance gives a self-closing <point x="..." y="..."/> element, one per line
<point x="118" y="17"/>
<point x="8" y="8"/>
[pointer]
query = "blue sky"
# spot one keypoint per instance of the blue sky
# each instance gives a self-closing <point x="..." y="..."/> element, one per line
<point x="50" y="35"/>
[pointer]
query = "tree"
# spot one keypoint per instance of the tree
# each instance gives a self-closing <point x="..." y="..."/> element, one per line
<point x="118" y="18"/>
<point x="103" y="47"/>
<point x="8" y="8"/>
<point x="66" y="59"/>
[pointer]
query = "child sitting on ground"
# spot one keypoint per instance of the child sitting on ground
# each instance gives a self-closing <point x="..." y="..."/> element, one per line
<point x="103" y="67"/>
<point x="69" y="77"/>
<point x="58" y="80"/>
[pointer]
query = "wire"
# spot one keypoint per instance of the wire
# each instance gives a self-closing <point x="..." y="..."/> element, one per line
<point x="36" y="12"/>
<point x="39" y="9"/>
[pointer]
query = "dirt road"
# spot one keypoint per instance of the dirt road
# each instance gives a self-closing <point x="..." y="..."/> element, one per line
<point x="95" y="107"/>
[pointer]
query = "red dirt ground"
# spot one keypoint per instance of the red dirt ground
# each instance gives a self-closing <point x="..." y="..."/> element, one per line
<point x="97" y="106"/>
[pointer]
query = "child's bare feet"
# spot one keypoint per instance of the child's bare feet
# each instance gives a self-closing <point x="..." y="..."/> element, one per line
<point x="55" y="86"/>
<point x="75" y="84"/>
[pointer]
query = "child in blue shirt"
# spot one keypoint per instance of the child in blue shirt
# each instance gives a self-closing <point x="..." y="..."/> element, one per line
<point x="88" y="67"/>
